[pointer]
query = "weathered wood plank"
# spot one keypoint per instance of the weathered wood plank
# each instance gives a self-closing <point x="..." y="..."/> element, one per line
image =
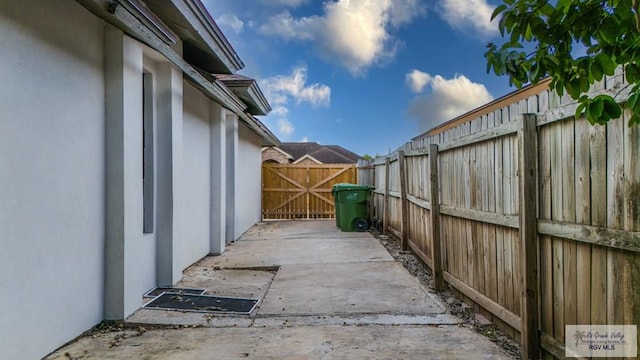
<point x="489" y="244"/>
<point x="495" y="132"/>
<point x="404" y="209"/>
<point x="436" y="246"/>
<point x="424" y="204"/>
<point x="508" y="203"/>
<point x="598" y="160"/>
<point x="569" y="215"/>
<point x="421" y="254"/>
<point x="468" y="186"/>
<point x="583" y="216"/>
<point x="498" y="256"/>
<point x="555" y="347"/>
<point x="495" y="218"/>
<point x="556" y="214"/>
<point x="615" y="218"/>
<point x="528" y="237"/>
<point x="612" y="238"/>
<point x="496" y="309"/>
<point x="546" y="255"/>
<point x="631" y="270"/>
<point x="386" y="210"/>
<point x="394" y="232"/>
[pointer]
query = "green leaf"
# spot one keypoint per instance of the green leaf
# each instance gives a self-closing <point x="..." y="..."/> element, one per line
<point x="611" y="108"/>
<point x="609" y="30"/>
<point x="596" y="107"/>
<point x="632" y="101"/>
<point x="528" y="33"/>
<point x="580" y="110"/>
<point x="498" y="10"/>
<point x="563" y="5"/>
<point x="632" y="73"/>
<point x="607" y="64"/>
<point x="596" y="71"/>
<point x="547" y="10"/>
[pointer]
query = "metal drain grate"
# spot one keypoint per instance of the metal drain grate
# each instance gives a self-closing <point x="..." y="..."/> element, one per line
<point x="202" y="303"/>
<point x="162" y="289"/>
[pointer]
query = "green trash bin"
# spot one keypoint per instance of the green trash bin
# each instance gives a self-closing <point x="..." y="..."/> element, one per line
<point x="352" y="208"/>
<point x="334" y="191"/>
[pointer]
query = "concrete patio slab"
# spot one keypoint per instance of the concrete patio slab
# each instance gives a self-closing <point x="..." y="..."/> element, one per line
<point x="324" y="295"/>
<point x="299" y="229"/>
<point x="228" y="282"/>
<point x="308" y="248"/>
<point x="347" y="288"/>
<point x="297" y="342"/>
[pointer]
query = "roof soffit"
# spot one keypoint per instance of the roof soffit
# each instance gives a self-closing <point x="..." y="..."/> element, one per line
<point x="204" y="43"/>
<point x="248" y="90"/>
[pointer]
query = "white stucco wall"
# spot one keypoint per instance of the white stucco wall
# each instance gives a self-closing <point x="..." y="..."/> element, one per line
<point x="195" y="205"/>
<point x="248" y="180"/>
<point x="52" y="168"/>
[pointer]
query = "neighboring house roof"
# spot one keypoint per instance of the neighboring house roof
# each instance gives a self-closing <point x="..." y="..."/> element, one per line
<point x="299" y="149"/>
<point x="308" y="157"/>
<point x="286" y="154"/>
<point x="325" y="154"/>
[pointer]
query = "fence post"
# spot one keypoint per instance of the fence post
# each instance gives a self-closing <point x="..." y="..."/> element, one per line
<point x="528" y="153"/>
<point x="404" y="205"/>
<point x="436" y="250"/>
<point x="385" y="204"/>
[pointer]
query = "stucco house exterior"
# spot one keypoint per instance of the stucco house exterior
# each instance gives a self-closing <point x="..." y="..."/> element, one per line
<point x="122" y="128"/>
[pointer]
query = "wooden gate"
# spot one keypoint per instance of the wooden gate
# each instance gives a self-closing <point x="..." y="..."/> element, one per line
<point x="302" y="191"/>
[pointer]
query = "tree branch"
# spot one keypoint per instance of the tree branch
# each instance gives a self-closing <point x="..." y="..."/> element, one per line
<point x="636" y="14"/>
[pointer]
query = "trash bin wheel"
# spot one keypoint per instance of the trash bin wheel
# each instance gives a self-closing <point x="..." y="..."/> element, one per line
<point x="361" y="225"/>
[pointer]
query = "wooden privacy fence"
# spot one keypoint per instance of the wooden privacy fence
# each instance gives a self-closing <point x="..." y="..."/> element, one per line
<point x="530" y="214"/>
<point x="302" y="191"/>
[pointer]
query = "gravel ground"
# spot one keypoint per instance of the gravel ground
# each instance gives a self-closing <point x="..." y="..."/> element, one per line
<point x="456" y="306"/>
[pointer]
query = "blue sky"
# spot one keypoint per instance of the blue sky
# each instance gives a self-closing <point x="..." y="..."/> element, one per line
<point x="365" y="74"/>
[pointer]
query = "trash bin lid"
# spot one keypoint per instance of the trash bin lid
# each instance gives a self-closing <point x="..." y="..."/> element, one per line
<point x="348" y="187"/>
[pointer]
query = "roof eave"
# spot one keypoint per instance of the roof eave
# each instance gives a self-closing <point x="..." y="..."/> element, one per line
<point x="122" y="18"/>
<point x="207" y="33"/>
<point x="248" y="90"/>
<point x="269" y="139"/>
<point x="141" y="12"/>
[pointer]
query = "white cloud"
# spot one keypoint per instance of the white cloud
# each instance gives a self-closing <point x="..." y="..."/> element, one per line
<point x="304" y="139"/>
<point x="447" y="99"/>
<point x="279" y="111"/>
<point x="279" y="89"/>
<point x="417" y="80"/>
<point x="282" y="89"/>
<point x="286" y="26"/>
<point x="469" y="15"/>
<point x="288" y="3"/>
<point x="354" y="33"/>
<point x="230" y="21"/>
<point x="285" y="127"/>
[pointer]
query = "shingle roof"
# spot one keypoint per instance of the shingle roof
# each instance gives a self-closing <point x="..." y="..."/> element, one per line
<point x="327" y="154"/>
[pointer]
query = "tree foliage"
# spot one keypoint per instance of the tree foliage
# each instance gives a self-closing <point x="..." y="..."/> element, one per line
<point x="576" y="43"/>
